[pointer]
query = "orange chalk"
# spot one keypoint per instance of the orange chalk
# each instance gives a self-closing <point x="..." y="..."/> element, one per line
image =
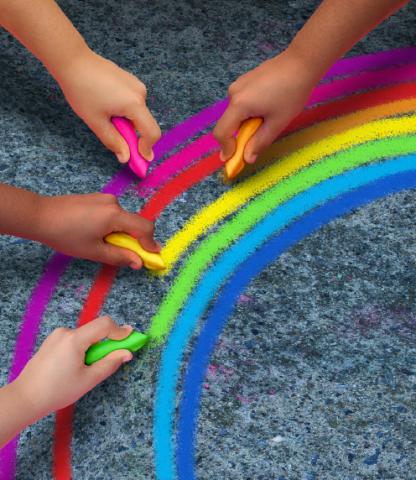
<point x="235" y="164"/>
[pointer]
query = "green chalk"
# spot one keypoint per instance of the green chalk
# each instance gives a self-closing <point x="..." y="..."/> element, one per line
<point x="135" y="341"/>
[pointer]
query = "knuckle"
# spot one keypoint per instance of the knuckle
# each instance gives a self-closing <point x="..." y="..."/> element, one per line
<point x="96" y="196"/>
<point x="107" y="319"/>
<point x="114" y="209"/>
<point x="142" y="89"/>
<point x="61" y="332"/>
<point x="106" y="135"/>
<point x="148" y="228"/>
<point x="139" y="100"/>
<point x="108" y="198"/>
<point x="232" y="89"/>
<point x="155" y="134"/>
<point x="113" y="218"/>
<point x="238" y="101"/>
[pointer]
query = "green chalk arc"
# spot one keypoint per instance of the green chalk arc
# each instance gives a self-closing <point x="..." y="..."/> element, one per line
<point x="198" y="261"/>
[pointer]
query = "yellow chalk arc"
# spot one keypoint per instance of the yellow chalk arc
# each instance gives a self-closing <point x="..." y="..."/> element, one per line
<point x="289" y="164"/>
<point x="152" y="261"/>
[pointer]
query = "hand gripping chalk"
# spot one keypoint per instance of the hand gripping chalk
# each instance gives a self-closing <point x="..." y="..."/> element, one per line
<point x="235" y="164"/>
<point x="135" y="341"/>
<point x="152" y="261"/>
<point x="137" y="163"/>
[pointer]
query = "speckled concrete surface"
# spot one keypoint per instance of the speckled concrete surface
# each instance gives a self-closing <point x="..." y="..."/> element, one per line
<point x="315" y="374"/>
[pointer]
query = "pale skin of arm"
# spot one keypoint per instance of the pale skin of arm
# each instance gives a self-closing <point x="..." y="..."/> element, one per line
<point x="96" y="88"/>
<point x="278" y="89"/>
<point x="56" y="376"/>
<point x="74" y="224"/>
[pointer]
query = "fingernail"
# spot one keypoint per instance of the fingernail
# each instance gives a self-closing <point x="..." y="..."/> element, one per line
<point x="150" y="156"/>
<point x="121" y="158"/>
<point x="251" y="158"/>
<point x="222" y="158"/>
<point x="134" y="266"/>
<point x="127" y="358"/>
<point x="147" y="154"/>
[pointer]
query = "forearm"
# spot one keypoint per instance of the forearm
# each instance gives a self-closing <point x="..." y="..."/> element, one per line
<point x="42" y="27"/>
<point x="19" y="212"/>
<point x="15" y="413"/>
<point x="335" y="27"/>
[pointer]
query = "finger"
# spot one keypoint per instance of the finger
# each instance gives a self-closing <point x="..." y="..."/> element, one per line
<point x="262" y="139"/>
<point x="108" y="365"/>
<point x="119" y="257"/>
<point x="148" y="128"/>
<point x="112" y="139"/>
<point x="140" y="228"/>
<point x="101" y="327"/>
<point x="225" y="129"/>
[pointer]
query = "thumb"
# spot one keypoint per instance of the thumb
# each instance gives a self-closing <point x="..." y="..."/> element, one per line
<point x="108" y="365"/>
<point x="112" y="139"/>
<point x="262" y="139"/>
<point x="140" y="228"/>
<point x="120" y="256"/>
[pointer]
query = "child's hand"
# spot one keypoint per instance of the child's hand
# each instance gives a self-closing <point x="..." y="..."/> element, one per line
<point x="77" y="224"/>
<point x="276" y="90"/>
<point x="56" y="376"/>
<point x="97" y="89"/>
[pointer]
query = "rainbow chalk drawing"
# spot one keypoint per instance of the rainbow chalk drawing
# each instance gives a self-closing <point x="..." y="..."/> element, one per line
<point x="200" y="356"/>
<point x="57" y="265"/>
<point x="230" y="201"/>
<point x="353" y="144"/>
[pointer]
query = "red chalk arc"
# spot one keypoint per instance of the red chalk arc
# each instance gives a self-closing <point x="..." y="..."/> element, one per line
<point x="195" y="174"/>
<point x="198" y="171"/>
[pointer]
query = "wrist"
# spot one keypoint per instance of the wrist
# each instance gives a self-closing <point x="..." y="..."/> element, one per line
<point x="297" y="69"/>
<point x="20" y="213"/>
<point x="38" y="218"/>
<point x="44" y="218"/>
<point x="19" y="405"/>
<point x="311" y="71"/>
<point x="77" y="55"/>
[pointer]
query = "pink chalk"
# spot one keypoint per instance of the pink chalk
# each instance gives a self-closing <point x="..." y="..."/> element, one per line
<point x="137" y="163"/>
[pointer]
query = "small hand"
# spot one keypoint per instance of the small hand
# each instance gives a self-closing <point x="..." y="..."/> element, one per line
<point x="276" y="91"/>
<point x="97" y="89"/>
<point x="57" y="376"/>
<point x="77" y="224"/>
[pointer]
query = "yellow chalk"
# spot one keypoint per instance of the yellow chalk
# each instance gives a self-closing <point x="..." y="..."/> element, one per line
<point x="235" y="164"/>
<point x="152" y="261"/>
